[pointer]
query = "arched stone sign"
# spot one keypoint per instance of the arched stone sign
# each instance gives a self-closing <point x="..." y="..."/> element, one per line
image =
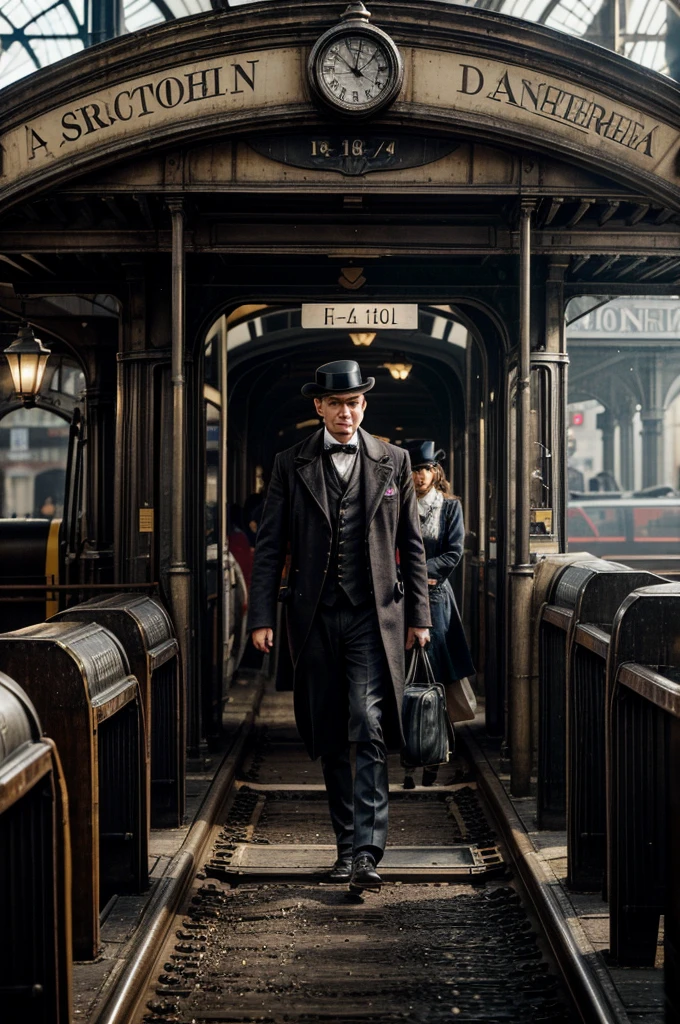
<point x="468" y="72"/>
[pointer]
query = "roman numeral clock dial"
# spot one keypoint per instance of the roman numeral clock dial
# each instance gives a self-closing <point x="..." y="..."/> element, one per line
<point x="355" y="68"/>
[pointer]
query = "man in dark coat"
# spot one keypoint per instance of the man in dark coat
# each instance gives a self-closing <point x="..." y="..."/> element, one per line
<point x="343" y="504"/>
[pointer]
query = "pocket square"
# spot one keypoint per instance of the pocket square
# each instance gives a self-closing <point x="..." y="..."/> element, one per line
<point x="390" y="492"/>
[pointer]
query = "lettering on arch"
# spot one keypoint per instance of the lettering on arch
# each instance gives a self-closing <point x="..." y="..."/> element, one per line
<point x="464" y="91"/>
<point x="136" y="109"/>
<point x="548" y="107"/>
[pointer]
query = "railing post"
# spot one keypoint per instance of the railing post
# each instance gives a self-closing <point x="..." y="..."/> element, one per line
<point x="179" y="576"/>
<point x="672" y="915"/>
<point x="521" y="572"/>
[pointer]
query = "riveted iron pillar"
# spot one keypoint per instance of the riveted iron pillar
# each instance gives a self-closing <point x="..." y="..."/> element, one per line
<point x="179" y="574"/>
<point x="521" y="572"/>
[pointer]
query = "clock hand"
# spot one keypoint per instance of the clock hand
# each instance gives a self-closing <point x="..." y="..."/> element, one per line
<point x="354" y="71"/>
<point x="356" y="66"/>
<point x="364" y="66"/>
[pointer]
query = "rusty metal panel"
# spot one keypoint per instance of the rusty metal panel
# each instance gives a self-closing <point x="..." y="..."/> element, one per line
<point x="644" y="759"/>
<point x="147" y="613"/>
<point x="78" y="678"/>
<point x="94" y="653"/>
<point x="551" y="797"/>
<point x="144" y="629"/>
<point x="586" y="808"/>
<point x="17" y="728"/>
<point x="588" y="591"/>
<point x="35" y="968"/>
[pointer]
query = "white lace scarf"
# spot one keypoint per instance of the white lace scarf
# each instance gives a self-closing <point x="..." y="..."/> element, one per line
<point x="430" y="508"/>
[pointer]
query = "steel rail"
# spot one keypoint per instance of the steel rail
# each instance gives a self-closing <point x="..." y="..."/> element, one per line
<point x="122" y="1000"/>
<point x="70" y="587"/>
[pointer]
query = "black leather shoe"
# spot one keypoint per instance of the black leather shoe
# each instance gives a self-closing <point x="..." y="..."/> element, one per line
<point x="364" y="874"/>
<point x="429" y="776"/>
<point x="341" y="870"/>
<point x="409" y="782"/>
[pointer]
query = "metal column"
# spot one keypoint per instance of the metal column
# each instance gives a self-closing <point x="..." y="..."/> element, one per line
<point x="105" y="20"/>
<point x="652" y="448"/>
<point x="521" y="572"/>
<point x="652" y="417"/>
<point x="227" y="596"/>
<point x="606" y="422"/>
<point x="627" y="446"/>
<point x="179" y="576"/>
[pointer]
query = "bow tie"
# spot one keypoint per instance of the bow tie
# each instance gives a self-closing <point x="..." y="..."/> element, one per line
<point x="346" y="449"/>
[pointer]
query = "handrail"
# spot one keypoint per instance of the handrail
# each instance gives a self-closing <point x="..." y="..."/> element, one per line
<point x="594" y="638"/>
<point x="560" y="617"/>
<point x="653" y="686"/>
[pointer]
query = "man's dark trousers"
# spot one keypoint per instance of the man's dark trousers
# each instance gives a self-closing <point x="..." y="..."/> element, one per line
<point x="350" y="636"/>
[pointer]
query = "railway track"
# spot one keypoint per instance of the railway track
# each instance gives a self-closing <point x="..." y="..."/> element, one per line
<point x="260" y="937"/>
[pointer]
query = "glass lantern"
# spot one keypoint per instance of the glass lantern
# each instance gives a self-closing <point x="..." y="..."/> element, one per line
<point x="27" y="358"/>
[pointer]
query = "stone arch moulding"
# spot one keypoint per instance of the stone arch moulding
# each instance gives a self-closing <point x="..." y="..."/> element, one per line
<point x="470" y="72"/>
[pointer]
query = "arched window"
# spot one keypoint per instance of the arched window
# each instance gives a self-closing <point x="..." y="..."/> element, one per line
<point x="33" y="457"/>
<point x="35" y="33"/>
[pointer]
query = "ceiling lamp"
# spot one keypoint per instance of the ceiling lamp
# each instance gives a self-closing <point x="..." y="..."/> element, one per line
<point x="399" y="371"/>
<point x="27" y="358"/>
<point x="363" y="338"/>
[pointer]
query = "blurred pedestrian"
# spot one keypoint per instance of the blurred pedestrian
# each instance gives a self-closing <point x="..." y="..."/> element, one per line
<point x="443" y="532"/>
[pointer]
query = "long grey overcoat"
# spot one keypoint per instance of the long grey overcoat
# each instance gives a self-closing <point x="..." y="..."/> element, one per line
<point x="296" y="519"/>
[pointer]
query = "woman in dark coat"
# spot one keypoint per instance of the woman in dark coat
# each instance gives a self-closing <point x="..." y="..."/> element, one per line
<point x="443" y="531"/>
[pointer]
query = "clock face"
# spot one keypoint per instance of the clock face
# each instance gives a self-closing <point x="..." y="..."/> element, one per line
<point x="354" y="71"/>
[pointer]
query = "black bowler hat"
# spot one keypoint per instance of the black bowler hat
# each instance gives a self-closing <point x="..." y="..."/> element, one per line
<point x="423" y="453"/>
<point x="343" y="377"/>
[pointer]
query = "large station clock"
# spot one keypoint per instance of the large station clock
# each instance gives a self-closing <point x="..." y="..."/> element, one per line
<point x="355" y="69"/>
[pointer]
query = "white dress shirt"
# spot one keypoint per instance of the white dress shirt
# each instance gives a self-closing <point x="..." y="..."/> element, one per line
<point x="343" y="463"/>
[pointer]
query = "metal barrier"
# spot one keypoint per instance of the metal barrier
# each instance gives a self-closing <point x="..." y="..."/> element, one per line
<point x="644" y="765"/>
<point x="578" y="592"/>
<point x="144" y="629"/>
<point x="597" y="589"/>
<point x="35" y="967"/>
<point x="548" y="687"/>
<point x="77" y="676"/>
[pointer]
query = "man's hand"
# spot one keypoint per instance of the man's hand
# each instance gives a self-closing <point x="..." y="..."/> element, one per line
<point x="414" y="633"/>
<point x="263" y="639"/>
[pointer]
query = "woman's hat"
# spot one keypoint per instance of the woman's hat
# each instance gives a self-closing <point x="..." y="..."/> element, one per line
<point x="343" y="377"/>
<point x="423" y="453"/>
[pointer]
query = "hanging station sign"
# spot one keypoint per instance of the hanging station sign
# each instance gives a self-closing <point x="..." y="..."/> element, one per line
<point x="343" y="315"/>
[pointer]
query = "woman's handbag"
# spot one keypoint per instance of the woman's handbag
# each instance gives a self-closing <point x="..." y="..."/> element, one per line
<point x="423" y="714"/>
<point x="461" y="702"/>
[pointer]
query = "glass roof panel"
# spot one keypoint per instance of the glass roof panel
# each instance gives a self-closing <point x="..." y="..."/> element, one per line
<point x="48" y="51"/>
<point x="143" y="13"/>
<point x="16" y="62"/>
<point x="43" y="25"/>
<point x="64" y="25"/>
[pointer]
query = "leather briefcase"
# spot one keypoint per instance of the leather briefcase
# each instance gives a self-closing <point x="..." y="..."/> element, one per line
<point x="423" y="715"/>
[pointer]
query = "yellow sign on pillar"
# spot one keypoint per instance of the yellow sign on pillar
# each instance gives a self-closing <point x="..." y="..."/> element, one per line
<point x="146" y="520"/>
